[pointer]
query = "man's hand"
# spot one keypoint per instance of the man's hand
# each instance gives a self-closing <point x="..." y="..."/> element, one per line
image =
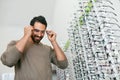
<point x="28" y="31"/>
<point x="20" y="45"/>
<point x="58" y="51"/>
<point x="51" y="35"/>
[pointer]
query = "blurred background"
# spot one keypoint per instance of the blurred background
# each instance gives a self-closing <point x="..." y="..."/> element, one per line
<point x="87" y="30"/>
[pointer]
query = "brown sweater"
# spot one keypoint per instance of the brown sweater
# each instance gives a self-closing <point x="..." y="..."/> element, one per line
<point x="34" y="63"/>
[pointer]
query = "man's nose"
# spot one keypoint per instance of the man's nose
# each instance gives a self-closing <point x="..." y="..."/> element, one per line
<point x="40" y="33"/>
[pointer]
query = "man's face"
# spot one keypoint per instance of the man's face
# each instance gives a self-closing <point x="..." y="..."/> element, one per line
<point x="38" y="32"/>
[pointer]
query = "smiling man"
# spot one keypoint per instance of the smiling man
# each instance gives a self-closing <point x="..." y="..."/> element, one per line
<point x="31" y="58"/>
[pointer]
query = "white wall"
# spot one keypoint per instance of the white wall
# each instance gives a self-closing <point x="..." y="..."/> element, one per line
<point x="19" y="12"/>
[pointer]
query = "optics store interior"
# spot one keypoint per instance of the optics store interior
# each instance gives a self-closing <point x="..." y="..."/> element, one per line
<point x="88" y="31"/>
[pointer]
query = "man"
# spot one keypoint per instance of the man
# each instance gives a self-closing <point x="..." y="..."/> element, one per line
<point x="31" y="58"/>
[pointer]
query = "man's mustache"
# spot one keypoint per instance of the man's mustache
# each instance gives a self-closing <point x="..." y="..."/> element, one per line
<point x="38" y="36"/>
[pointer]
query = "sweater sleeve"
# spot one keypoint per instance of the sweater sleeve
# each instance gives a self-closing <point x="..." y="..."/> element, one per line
<point x="11" y="55"/>
<point x="60" y="64"/>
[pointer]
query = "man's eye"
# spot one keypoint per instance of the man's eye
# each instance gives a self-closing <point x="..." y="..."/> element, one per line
<point x="36" y="30"/>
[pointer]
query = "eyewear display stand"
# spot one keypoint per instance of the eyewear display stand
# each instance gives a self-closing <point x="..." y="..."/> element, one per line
<point x="94" y="52"/>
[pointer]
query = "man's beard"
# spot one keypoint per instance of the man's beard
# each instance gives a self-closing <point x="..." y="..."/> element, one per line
<point x="36" y="39"/>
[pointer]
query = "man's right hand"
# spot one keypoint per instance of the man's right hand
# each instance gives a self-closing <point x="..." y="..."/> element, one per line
<point x="20" y="45"/>
<point x="28" y="31"/>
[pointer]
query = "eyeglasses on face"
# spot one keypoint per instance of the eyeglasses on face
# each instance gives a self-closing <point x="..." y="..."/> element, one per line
<point x="37" y="30"/>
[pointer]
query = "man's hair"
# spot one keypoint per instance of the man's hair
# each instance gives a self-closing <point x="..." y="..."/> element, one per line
<point x="40" y="19"/>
